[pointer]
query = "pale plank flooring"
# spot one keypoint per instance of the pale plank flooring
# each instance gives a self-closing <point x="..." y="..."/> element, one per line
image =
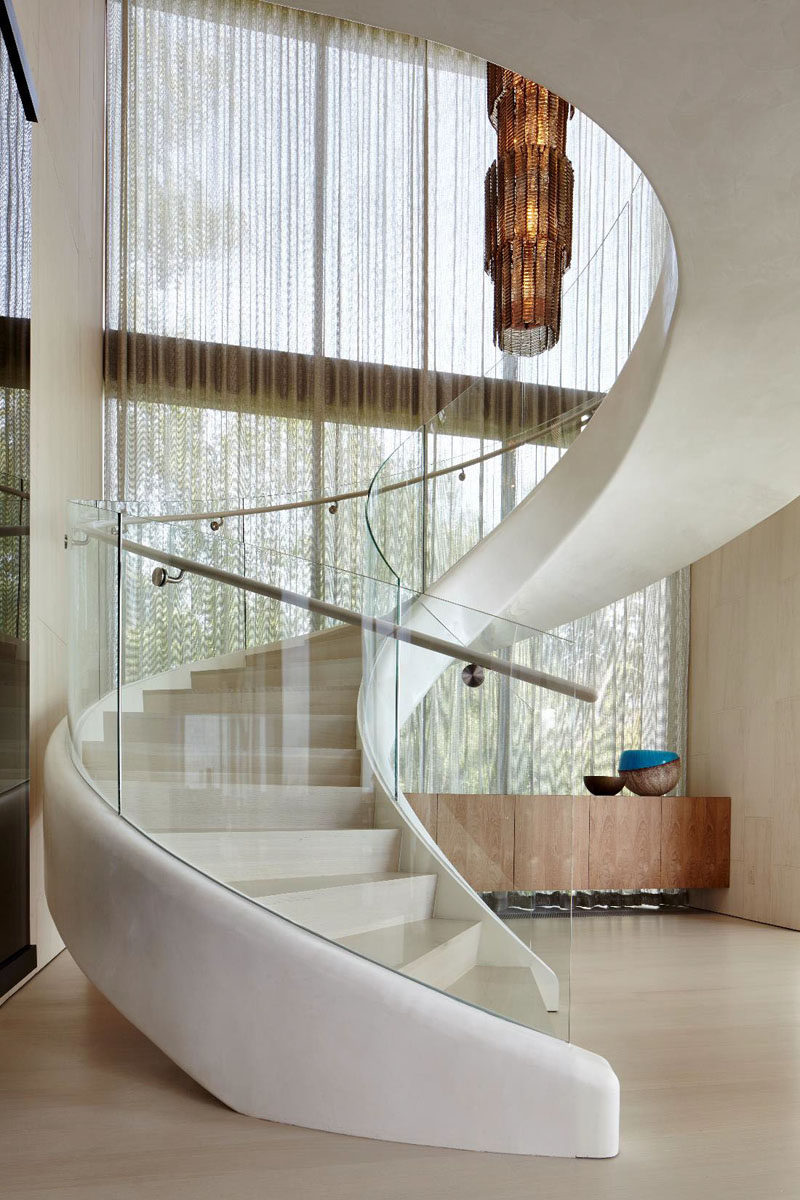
<point x="699" y="1014"/>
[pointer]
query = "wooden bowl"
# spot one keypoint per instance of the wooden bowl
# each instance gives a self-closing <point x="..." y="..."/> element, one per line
<point x="603" y="785"/>
<point x="653" y="781"/>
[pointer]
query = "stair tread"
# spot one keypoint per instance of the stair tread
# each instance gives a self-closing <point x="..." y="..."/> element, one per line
<point x="511" y="992"/>
<point x="297" y="753"/>
<point x="179" y="808"/>
<point x="237" y="854"/>
<point x="140" y="774"/>
<point x="317" y="671"/>
<point x="233" y="718"/>
<point x="256" y="791"/>
<point x="284" y="836"/>
<point x="272" y="689"/>
<point x="401" y="945"/>
<point x="254" y="731"/>
<point x="339" y="906"/>
<point x="317" y="883"/>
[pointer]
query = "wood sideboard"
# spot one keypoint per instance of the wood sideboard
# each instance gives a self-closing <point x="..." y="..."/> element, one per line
<point x="594" y="843"/>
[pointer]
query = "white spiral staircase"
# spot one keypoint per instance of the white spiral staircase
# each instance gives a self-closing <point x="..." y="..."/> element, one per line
<point x="231" y="859"/>
<point x="245" y="911"/>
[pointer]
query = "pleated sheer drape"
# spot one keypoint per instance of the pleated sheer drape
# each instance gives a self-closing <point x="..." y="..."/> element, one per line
<point x="15" y="284"/>
<point x="295" y="282"/>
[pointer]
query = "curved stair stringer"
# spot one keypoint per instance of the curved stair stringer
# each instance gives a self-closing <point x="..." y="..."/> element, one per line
<point x="282" y="1024"/>
<point x="531" y="568"/>
<point x="503" y="585"/>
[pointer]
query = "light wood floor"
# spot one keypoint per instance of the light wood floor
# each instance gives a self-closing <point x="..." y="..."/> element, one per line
<point x="700" y="1016"/>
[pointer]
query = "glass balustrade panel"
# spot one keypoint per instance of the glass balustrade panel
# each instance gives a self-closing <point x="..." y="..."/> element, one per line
<point x="92" y="549"/>
<point x="14" y="621"/>
<point x="281" y="764"/>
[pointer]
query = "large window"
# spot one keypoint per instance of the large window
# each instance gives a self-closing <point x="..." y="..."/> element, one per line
<point x="295" y="276"/>
<point x="286" y="188"/>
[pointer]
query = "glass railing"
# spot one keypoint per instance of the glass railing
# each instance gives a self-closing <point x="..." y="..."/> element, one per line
<point x="14" y="622"/>
<point x="328" y="764"/>
<point x="14" y="542"/>
<point x="486" y="765"/>
<point x="453" y="480"/>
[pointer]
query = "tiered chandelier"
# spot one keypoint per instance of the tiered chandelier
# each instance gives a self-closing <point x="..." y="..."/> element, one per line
<point x="528" y="211"/>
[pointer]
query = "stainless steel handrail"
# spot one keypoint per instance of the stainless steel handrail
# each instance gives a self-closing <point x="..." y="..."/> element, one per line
<point x="346" y="616"/>
<point x="257" y="510"/>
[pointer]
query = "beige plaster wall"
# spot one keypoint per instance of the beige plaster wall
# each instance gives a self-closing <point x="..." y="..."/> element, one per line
<point x="744" y="712"/>
<point x="65" y="44"/>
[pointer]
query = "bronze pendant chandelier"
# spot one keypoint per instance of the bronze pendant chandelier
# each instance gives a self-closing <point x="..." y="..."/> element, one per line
<point x="528" y="211"/>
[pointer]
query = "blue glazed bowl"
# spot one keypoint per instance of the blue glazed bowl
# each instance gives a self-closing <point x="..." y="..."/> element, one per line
<point x="650" y="772"/>
<point x="638" y="760"/>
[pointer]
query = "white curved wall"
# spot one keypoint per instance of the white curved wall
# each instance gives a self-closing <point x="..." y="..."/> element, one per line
<point x="538" y="574"/>
<point x="693" y="94"/>
<point x="279" y="1023"/>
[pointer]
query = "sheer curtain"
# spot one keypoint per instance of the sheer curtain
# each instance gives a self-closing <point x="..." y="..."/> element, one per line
<point x="15" y="285"/>
<point x="295" y="281"/>
<point x="295" y="247"/>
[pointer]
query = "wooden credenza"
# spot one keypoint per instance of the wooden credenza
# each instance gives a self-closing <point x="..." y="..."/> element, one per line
<point x="596" y="843"/>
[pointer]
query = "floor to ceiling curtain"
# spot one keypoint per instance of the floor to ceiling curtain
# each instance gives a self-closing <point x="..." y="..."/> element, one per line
<point x="15" y="285"/>
<point x="295" y="280"/>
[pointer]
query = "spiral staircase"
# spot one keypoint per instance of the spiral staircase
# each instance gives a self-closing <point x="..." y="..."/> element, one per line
<point x="230" y="854"/>
<point x="292" y="825"/>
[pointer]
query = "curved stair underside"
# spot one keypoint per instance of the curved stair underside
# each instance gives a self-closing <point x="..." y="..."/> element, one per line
<point x="279" y="834"/>
<point x="697" y="440"/>
<point x="281" y="1024"/>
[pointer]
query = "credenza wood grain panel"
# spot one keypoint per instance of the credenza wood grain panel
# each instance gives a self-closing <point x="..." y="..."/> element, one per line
<point x="425" y="806"/>
<point x="477" y="834"/>
<point x="695" y="841"/>
<point x="551" y="831"/>
<point x="624" y="842"/>
<point x="527" y="842"/>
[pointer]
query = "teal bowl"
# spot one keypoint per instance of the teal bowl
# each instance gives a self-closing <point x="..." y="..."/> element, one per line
<point x="639" y="760"/>
<point x="650" y="772"/>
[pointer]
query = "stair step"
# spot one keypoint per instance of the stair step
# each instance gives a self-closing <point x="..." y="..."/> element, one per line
<point x="238" y="733"/>
<point x="342" y="907"/>
<point x="291" y="674"/>
<point x="215" y="768"/>
<point x="334" y="645"/>
<point x="163" y="806"/>
<point x="511" y="992"/>
<point x="287" y="853"/>
<point x="436" y="951"/>
<point x="264" y="700"/>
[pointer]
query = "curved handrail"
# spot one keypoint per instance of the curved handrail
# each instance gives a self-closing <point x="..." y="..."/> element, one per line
<point x="529" y="435"/>
<point x="524" y="439"/>
<point x="346" y="616"/>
